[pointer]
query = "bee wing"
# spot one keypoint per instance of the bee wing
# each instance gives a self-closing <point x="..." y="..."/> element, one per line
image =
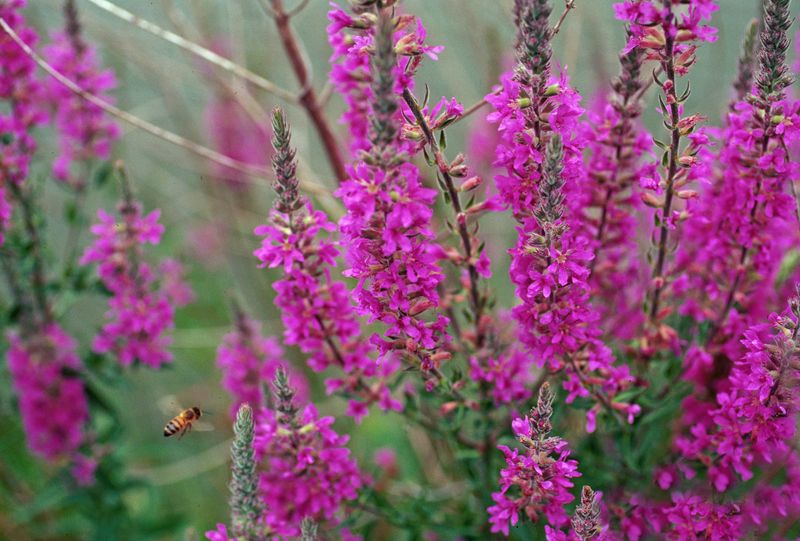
<point x="169" y="405"/>
<point x="201" y="426"/>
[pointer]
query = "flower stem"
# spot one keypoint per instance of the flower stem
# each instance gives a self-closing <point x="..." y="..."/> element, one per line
<point x="477" y="300"/>
<point x="672" y="169"/>
<point x="308" y="96"/>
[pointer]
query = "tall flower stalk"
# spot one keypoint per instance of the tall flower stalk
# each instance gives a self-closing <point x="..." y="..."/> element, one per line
<point x="536" y="481"/>
<point x="85" y="131"/>
<point x="656" y="27"/>
<point x="387" y="225"/>
<point x="317" y="314"/>
<point x="617" y="145"/>
<point x="733" y="255"/>
<point x="20" y="92"/>
<point x="140" y="311"/>
<point x="246" y="505"/>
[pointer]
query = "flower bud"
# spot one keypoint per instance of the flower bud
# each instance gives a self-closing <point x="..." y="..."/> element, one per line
<point x="470" y="184"/>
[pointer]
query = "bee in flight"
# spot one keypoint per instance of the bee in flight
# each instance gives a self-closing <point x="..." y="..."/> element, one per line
<point x="182" y="422"/>
<point x="185" y="421"/>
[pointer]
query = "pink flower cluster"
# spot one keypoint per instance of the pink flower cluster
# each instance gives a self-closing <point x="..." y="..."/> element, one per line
<point x="669" y="34"/>
<point x="616" y="145"/>
<point x="140" y="311"/>
<point x="46" y="373"/>
<point x="536" y="481"/>
<point x="306" y="470"/>
<point x="755" y="416"/>
<point x="84" y="130"/>
<point x="352" y="39"/>
<point x="249" y="360"/>
<point x="20" y="93"/>
<point x="235" y="134"/>
<point x="387" y="224"/>
<point x="732" y="256"/>
<point x="550" y="263"/>
<point x="316" y="310"/>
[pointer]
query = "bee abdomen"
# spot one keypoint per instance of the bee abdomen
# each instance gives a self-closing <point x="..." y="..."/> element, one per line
<point x="171" y="428"/>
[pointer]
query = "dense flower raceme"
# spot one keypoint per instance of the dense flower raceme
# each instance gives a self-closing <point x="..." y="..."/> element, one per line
<point x="141" y="310"/>
<point x="20" y="95"/>
<point x="550" y="263"/>
<point x="248" y="359"/>
<point x="387" y="224"/>
<point x="536" y="481"/>
<point x="45" y="370"/>
<point x="616" y="146"/>
<point x="306" y="470"/>
<point x="669" y="34"/>
<point x="756" y="415"/>
<point x="316" y="310"/>
<point x="733" y="257"/>
<point x="84" y="130"/>
<point x="352" y="39"/>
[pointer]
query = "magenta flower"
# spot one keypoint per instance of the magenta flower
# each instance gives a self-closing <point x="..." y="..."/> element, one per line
<point x="306" y="470"/>
<point x="141" y="310"/>
<point x="536" y="481"/>
<point x="315" y="308"/>
<point x="22" y="111"/>
<point x="45" y="371"/>
<point x="387" y="224"/>
<point x="85" y="131"/>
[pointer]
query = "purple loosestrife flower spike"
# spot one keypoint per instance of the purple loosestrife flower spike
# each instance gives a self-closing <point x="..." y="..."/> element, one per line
<point x="20" y="106"/>
<point x="45" y="372"/>
<point x="246" y="505"/>
<point x="384" y="129"/>
<point x="536" y="480"/>
<point x="306" y="468"/>
<point x="531" y="18"/>
<point x="390" y="244"/>
<point x="284" y="165"/>
<point x="85" y="132"/>
<point x="316" y="310"/>
<point x="586" y="521"/>
<point x="747" y="63"/>
<point x="773" y="74"/>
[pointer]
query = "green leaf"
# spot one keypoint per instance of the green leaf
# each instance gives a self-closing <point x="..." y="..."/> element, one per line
<point x="103" y="174"/>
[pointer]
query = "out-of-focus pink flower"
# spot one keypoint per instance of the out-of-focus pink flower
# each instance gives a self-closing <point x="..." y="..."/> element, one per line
<point x="21" y="96"/>
<point x="248" y="362"/>
<point x="141" y="310"/>
<point x="45" y="372"/>
<point x="85" y="132"/>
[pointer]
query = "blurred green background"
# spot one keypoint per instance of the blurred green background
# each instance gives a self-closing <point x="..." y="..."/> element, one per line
<point x="209" y="227"/>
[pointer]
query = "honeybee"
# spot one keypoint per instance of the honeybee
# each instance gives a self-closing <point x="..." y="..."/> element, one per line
<point x="184" y="421"/>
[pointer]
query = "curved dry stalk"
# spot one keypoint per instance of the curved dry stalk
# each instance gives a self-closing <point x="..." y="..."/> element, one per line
<point x="199" y="50"/>
<point x="254" y="171"/>
<point x="569" y="5"/>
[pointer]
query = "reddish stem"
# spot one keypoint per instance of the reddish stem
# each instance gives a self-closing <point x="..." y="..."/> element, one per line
<point x="308" y="96"/>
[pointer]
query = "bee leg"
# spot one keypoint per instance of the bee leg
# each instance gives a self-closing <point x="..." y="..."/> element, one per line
<point x="182" y="433"/>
